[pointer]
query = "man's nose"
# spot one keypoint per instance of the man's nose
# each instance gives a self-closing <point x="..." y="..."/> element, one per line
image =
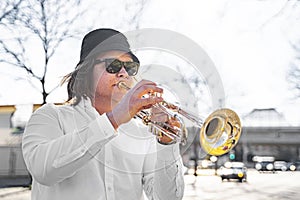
<point x="122" y="72"/>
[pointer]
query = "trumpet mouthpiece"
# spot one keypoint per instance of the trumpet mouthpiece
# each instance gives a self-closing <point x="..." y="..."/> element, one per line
<point x="122" y="85"/>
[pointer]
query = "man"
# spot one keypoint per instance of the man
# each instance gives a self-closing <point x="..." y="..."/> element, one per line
<point x="90" y="148"/>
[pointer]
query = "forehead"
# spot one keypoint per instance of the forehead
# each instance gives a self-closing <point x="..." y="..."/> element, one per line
<point x="115" y="54"/>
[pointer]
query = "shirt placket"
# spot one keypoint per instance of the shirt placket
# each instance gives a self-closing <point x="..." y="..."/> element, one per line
<point x="109" y="173"/>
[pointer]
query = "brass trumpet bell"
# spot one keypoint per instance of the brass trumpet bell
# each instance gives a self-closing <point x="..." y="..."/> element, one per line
<point x="220" y="132"/>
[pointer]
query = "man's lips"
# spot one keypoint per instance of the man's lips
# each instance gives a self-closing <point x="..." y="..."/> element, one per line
<point x="118" y="84"/>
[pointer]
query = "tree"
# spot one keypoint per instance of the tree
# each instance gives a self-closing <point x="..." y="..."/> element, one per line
<point x="294" y="71"/>
<point x="44" y="23"/>
<point x="9" y="10"/>
<point x="289" y="14"/>
<point x="293" y="74"/>
<point x="137" y="8"/>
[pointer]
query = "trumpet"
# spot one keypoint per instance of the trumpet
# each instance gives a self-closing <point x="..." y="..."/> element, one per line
<point x="219" y="133"/>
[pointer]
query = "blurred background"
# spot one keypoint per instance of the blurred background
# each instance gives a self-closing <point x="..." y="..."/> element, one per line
<point x="254" y="44"/>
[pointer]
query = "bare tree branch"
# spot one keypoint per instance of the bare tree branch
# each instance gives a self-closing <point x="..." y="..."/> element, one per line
<point x="134" y="10"/>
<point x="47" y="22"/>
<point x="136" y="17"/>
<point x="280" y="12"/>
<point x="9" y="10"/>
<point x="294" y="78"/>
<point x="18" y="61"/>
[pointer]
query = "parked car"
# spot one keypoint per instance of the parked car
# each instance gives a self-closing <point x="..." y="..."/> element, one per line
<point x="280" y="166"/>
<point x="264" y="166"/>
<point x="233" y="170"/>
<point x="264" y="163"/>
<point x="293" y="166"/>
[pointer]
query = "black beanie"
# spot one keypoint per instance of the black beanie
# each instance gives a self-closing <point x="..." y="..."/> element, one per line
<point x="103" y="40"/>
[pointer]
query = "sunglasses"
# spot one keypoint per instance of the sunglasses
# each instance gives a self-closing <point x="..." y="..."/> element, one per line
<point x="113" y="66"/>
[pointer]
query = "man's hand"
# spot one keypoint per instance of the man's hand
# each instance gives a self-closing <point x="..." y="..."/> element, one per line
<point x="158" y="115"/>
<point x="135" y="101"/>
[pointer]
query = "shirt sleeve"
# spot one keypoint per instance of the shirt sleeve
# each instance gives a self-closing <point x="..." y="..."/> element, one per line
<point x="165" y="180"/>
<point x="51" y="155"/>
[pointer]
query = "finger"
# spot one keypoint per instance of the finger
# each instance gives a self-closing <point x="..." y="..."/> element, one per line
<point x="157" y="114"/>
<point x="149" y="86"/>
<point x="162" y="117"/>
<point x="174" y="123"/>
<point x="144" y="82"/>
<point x="148" y="102"/>
<point x="148" y="89"/>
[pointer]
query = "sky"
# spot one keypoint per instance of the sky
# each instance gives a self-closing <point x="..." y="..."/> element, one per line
<point x="247" y="40"/>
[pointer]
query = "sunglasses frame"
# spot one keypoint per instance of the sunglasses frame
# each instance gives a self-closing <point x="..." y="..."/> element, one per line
<point x="110" y="69"/>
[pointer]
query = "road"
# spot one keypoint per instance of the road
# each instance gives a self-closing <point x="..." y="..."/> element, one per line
<point x="259" y="186"/>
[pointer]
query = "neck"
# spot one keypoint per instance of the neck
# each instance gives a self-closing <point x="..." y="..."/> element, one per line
<point x="103" y="105"/>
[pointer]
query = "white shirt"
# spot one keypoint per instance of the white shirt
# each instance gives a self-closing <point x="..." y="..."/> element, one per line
<point x="73" y="153"/>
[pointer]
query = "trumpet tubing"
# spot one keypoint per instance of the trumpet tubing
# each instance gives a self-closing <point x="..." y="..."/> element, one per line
<point x="219" y="133"/>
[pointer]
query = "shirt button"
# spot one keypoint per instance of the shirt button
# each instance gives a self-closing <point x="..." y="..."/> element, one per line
<point x="109" y="189"/>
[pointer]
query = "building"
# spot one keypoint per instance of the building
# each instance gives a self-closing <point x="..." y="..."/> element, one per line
<point x="267" y="133"/>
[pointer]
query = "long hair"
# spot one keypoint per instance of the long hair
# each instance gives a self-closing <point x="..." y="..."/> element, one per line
<point x="80" y="82"/>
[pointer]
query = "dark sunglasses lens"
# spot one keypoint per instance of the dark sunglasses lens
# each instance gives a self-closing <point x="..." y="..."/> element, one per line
<point x="114" y="66"/>
<point x="131" y="68"/>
